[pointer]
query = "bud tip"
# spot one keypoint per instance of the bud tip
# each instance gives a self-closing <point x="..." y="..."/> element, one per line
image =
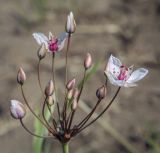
<point x="71" y="84"/>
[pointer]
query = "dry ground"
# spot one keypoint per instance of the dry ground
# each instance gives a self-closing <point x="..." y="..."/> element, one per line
<point x="126" y="28"/>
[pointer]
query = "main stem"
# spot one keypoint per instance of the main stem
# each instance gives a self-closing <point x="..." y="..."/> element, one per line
<point x="66" y="79"/>
<point x="65" y="147"/>
<point x="66" y="68"/>
<point x="53" y="76"/>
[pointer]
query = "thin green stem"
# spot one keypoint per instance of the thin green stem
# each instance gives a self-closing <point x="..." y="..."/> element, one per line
<point x="59" y="117"/>
<point x="43" y="114"/>
<point x="58" y="110"/>
<point x="66" y="69"/>
<point x="39" y="81"/>
<point x="54" y="82"/>
<point x="107" y="107"/>
<point x="33" y="134"/>
<point x="51" y="114"/>
<point x="65" y="147"/>
<point x="73" y="112"/>
<point x="64" y="113"/>
<point x="53" y="76"/>
<point x="32" y="110"/>
<point x="40" y="85"/>
<point x="84" y="121"/>
<point x="83" y="81"/>
<point x="109" y="129"/>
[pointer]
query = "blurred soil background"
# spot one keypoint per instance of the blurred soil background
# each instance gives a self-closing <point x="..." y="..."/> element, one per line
<point x="129" y="29"/>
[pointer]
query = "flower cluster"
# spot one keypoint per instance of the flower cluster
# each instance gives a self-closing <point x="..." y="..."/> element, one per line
<point x="63" y="128"/>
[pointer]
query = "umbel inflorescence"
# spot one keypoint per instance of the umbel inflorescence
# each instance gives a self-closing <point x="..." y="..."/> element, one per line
<point x="63" y="128"/>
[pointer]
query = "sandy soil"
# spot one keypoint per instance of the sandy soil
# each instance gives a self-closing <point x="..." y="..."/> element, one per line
<point x="128" y="29"/>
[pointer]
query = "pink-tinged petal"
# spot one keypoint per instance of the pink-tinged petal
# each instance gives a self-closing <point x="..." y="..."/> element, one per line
<point x="41" y="38"/>
<point x="61" y="46"/>
<point x="71" y="16"/>
<point x="114" y="81"/>
<point x="113" y="66"/>
<point x="137" y="75"/>
<point x="62" y="37"/>
<point x="61" y="40"/>
<point x="115" y="61"/>
<point x="50" y="36"/>
<point x="72" y="21"/>
<point x="68" y="24"/>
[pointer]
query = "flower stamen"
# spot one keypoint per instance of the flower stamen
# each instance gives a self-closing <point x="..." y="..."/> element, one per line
<point x="53" y="45"/>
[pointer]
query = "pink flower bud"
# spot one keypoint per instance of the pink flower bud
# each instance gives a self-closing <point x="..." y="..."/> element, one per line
<point x="101" y="92"/>
<point x="42" y="51"/>
<point x="71" y="84"/>
<point x="49" y="88"/>
<point x="88" y="61"/>
<point x="70" y="24"/>
<point x="74" y="104"/>
<point x="75" y="98"/>
<point x="21" y="76"/>
<point x="17" y="109"/>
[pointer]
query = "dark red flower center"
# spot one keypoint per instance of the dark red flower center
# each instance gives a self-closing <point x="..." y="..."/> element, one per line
<point x="53" y="45"/>
<point x="123" y="73"/>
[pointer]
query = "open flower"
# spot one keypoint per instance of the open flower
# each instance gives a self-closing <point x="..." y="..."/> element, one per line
<point x="52" y="43"/>
<point x="120" y="75"/>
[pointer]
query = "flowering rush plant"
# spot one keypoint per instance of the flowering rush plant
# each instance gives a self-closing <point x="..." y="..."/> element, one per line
<point x="61" y="126"/>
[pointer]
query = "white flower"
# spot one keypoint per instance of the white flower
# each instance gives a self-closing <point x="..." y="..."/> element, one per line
<point x="120" y="75"/>
<point x="70" y="24"/>
<point x="52" y="44"/>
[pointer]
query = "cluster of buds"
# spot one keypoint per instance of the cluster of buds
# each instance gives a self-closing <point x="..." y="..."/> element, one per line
<point x="63" y="128"/>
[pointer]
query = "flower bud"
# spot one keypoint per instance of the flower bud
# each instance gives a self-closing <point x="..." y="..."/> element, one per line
<point x="49" y="88"/>
<point x="21" y="76"/>
<point x="42" y="51"/>
<point x="71" y="84"/>
<point x="101" y="92"/>
<point x="75" y="98"/>
<point x="70" y="94"/>
<point x="17" y="109"/>
<point x="88" y="61"/>
<point x="50" y="100"/>
<point x="74" y="104"/>
<point x="70" y="24"/>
